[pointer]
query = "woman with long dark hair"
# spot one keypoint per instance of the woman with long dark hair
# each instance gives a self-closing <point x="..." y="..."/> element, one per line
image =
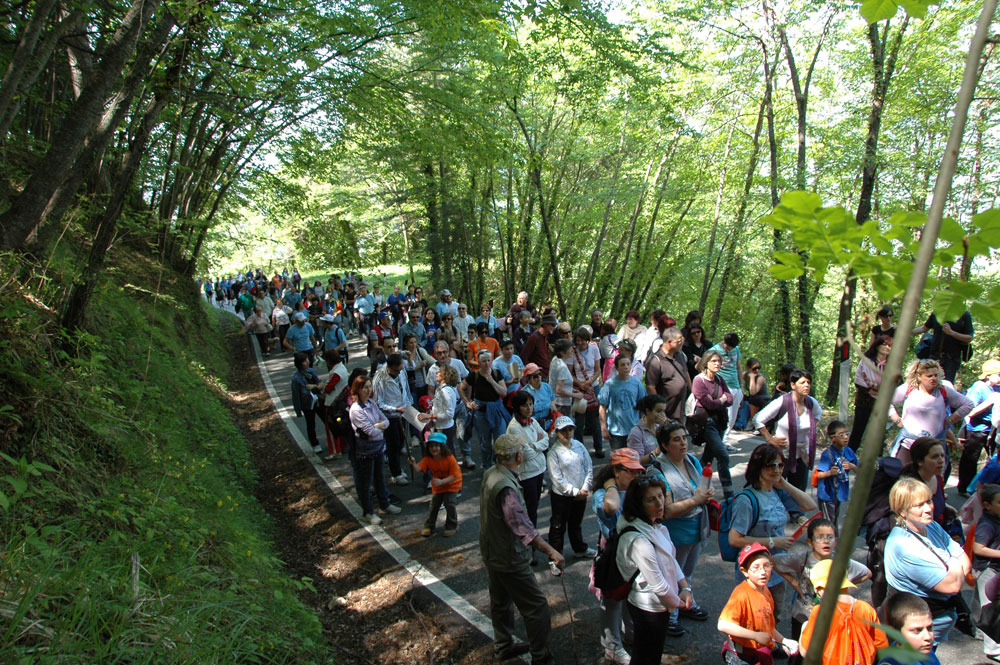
<point x="867" y="379"/>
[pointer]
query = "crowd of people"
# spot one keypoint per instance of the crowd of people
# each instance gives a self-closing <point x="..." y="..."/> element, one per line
<point x="517" y="392"/>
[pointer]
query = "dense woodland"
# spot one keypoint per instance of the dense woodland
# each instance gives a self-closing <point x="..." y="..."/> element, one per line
<point x="593" y="154"/>
<point x="596" y="154"/>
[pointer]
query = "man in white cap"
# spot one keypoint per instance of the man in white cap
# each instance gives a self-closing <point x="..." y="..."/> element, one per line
<point x="333" y="336"/>
<point x="447" y="305"/>
<point x="301" y="337"/>
<point x="506" y="538"/>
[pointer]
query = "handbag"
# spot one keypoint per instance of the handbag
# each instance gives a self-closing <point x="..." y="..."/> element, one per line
<point x="729" y="654"/>
<point x="590" y="397"/>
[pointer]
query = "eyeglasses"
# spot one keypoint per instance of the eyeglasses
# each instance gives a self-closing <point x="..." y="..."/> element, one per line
<point x="777" y="466"/>
<point x="760" y="568"/>
<point x="535" y="376"/>
<point x="839" y="435"/>
<point x="824" y="539"/>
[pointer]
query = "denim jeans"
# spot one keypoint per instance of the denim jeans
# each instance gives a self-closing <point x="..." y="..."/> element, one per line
<point x="715" y="451"/>
<point x="450" y="512"/>
<point x="368" y="474"/>
<point x="590" y="421"/>
<point x="485" y="434"/>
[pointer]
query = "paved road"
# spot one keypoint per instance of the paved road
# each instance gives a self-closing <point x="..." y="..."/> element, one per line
<point x="456" y="561"/>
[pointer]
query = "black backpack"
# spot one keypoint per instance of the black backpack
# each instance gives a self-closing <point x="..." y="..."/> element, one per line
<point x="607" y="577"/>
<point x="877" y="515"/>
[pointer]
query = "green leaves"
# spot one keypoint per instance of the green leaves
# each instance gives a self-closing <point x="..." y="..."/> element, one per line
<point x="878" y="10"/>
<point x="883" y="252"/>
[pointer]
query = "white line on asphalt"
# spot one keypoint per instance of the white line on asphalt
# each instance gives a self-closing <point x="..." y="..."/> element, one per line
<point x="448" y="595"/>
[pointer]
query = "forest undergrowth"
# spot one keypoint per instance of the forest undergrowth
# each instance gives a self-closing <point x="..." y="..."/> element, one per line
<point x="129" y="530"/>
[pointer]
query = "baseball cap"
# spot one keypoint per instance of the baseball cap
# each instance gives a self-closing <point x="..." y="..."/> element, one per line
<point x="750" y="550"/>
<point x="562" y="422"/>
<point x="445" y="292"/>
<point x="821" y="572"/>
<point x="300" y="316"/>
<point x="549" y="320"/>
<point x="437" y="437"/>
<point x="628" y="458"/>
<point x="327" y="317"/>
<point x="507" y="444"/>
<point x="531" y="368"/>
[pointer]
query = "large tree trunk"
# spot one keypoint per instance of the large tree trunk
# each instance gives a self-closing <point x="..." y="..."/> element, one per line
<point x="706" y="280"/>
<point x="27" y="211"/>
<point x="883" y="67"/>
<point x="22" y="56"/>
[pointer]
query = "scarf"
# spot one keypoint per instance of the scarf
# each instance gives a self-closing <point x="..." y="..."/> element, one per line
<point x="788" y="404"/>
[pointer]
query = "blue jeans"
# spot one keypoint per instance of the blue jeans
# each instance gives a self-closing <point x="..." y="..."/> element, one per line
<point x="485" y="434"/>
<point x="716" y="451"/>
<point x="368" y="474"/>
<point x="943" y="625"/>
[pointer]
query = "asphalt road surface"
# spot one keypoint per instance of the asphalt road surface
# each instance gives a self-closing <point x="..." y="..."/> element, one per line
<point x="457" y="563"/>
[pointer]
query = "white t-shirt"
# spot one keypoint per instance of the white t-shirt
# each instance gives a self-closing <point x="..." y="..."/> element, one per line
<point x="590" y="357"/>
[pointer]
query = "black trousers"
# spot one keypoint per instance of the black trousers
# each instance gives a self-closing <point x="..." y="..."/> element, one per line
<point x="567" y="513"/>
<point x="968" y="465"/>
<point x="650" y="630"/>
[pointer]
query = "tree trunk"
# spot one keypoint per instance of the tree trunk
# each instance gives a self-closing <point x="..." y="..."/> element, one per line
<point x="27" y="211"/>
<point x="22" y="56"/>
<point x="883" y="68"/>
<point x="706" y="281"/>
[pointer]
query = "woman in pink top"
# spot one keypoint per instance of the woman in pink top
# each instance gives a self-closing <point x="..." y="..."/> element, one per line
<point x="867" y="380"/>
<point x="925" y="403"/>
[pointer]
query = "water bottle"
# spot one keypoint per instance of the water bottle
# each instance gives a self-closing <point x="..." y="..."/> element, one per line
<point x="706" y="477"/>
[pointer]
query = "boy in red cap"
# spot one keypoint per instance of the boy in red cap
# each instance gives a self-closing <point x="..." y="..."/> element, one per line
<point x="748" y="617"/>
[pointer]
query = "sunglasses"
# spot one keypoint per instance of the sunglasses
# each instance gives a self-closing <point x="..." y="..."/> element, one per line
<point x="776" y="466"/>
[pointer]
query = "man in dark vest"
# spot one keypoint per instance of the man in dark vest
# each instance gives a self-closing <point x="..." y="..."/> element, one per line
<point x="667" y="375"/>
<point x="506" y="537"/>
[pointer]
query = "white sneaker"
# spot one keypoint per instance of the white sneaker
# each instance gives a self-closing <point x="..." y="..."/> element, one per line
<point x="401" y="479"/>
<point x="588" y="553"/>
<point x="318" y="450"/>
<point x="391" y="510"/>
<point x="372" y="519"/>
<point x="618" y="656"/>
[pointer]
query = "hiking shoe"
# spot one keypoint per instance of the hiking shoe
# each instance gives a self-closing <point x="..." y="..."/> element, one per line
<point x="617" y="656"/>
<point x="371" y="518"/>
<point x="588" y="553"/>
<point x="318" y="450"/>
<point x="731" y="448"/>
<point x="389" y="510"/>
<point x="674" y="629"/>
<point x="447" y="533"/>
<point x="425" y="532"/>
<point x="469" y="463"/>
<point x="401" y="479"/>
<point x="697" y="613"/>
<point x="513" y="651"/>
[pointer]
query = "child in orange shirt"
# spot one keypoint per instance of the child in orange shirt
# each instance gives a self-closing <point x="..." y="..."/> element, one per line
<point x="446" y="483"/>
<point x="748" y="617"/>
<point x="852" y="637"/>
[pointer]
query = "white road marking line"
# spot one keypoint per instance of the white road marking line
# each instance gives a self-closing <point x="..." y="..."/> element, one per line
<point x="447" y="595"/>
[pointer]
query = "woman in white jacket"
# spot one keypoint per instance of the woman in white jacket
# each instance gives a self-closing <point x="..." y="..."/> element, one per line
<point x="536" y="442"/>
<point x="570" y="475"/>
<point x="647" y="552"/>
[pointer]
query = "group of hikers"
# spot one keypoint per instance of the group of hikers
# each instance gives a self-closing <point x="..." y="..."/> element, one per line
<point x="520" y="389"/>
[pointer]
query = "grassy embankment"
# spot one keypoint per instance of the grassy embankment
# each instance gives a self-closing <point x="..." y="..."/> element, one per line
<point x="130" y="531"/>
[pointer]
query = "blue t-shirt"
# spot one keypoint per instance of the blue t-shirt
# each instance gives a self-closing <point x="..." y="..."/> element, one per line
<point x="365" y="304"/>
<point x="979" y="393"/>
<point x="504" y="367"/>
<point x="491" y="322"/>
<point x="683" y="530"/>
<point x="910" y="566"/>
<point x="771" y="522"/>
<point x="835" y="488"/>
<point x="620" y="398"/>
<point x="333" y="337"/>
<point x="604" y="521"/>
<point x="300" y="337"/>
<point x="929" y="659"/>
<point x="543" y="399"/>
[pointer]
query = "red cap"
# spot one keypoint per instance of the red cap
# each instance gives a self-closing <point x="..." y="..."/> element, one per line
<point x="425" y="402"/>
<point x="750" y="550"/>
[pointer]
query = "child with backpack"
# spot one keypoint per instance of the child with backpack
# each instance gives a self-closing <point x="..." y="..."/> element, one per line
<point x="748" y="617"/>
<point x="853" y="638"/>
<point x="446" y="483"/>
<point x="796" y="568"/>
<point x="832" y="471"/>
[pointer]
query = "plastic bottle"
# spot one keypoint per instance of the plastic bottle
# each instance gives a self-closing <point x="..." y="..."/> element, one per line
<point x="706" y="477"/>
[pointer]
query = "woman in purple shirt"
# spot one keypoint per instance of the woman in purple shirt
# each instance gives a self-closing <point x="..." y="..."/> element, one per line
<point x="368" y="451"/>
<point x="714" y="398"/>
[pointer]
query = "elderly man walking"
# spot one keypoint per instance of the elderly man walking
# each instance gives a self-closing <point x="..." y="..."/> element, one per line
<point x="506" y="537"/>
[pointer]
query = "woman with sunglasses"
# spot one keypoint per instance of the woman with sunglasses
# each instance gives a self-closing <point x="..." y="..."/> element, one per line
<point x="695" y="347"/>
<point x="541" y="391"/>
<point x="685" y="516"/>
<point x="759" y="514"/>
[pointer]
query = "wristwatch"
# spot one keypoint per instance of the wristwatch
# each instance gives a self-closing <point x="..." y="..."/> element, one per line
<point x="770" y="542"/>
